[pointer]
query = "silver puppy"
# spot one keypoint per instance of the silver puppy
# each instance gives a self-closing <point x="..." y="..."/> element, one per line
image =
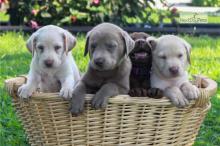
<point x="171" y="56"/>
<point x="109" y="67"/>
<point x="52" y="68"/>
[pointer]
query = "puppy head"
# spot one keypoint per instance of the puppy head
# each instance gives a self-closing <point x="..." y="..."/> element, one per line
<point x="107" y="45"/>
<point x="50" y="44"/>
<point x="171" y="55"/>
<point x="142" y="50"/>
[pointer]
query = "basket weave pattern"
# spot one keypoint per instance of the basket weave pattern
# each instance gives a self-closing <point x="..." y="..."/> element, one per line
<point x="125" y="121"/>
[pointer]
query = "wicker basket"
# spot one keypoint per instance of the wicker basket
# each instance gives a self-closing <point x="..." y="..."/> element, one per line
<point x="125" y="121"/>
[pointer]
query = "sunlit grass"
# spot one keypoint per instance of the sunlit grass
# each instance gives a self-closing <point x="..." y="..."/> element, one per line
<point x="4" y="16"/>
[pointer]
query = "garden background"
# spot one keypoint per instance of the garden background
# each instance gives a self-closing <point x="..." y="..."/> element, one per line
<point x="25" y="16"/>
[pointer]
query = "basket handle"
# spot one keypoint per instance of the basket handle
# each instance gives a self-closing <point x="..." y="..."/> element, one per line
<point x="12" y="85"/>
<point x="207" y="89"/>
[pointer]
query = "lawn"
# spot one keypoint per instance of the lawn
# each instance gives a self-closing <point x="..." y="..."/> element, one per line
<point x="15" y="59"/>
<point x="3" y="16"/>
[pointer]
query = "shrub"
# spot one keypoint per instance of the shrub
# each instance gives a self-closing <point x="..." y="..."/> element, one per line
<point x="214" y="3"/>
<point x="82" y="12"/>
<point x="76" y="12"/>
<point x="85" y="12"/>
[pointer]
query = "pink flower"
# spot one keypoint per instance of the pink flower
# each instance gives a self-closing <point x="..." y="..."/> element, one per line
<point x="174" y="10"/>
<point x="2" y="1"/>
<point x="96" y="2"/>
<point x="34" y="12"/>
<point x="34" y="24"/>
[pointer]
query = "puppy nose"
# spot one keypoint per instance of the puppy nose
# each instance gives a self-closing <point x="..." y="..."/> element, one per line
<point x="48" y="62"/>
<point x="141" y="43"/>
<point x="99" y="62"/>
<point x="174" y="70"/>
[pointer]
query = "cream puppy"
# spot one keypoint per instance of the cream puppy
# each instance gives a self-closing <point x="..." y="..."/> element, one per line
<point x="52" y="68"/>
<point x="171" y="56"/>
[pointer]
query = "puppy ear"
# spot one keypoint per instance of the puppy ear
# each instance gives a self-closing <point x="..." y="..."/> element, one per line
<point x="132" y="35"/>
<point x="69" y="41"/>
<point x="152" y="41"/>
<point x="129" y="42"/>
<point x="87" y="43"/>
<point x="188" y="49"/>
<point x="31" y="43"/>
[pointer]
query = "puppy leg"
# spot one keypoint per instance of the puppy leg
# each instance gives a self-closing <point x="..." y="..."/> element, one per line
<point x="100" y="99"/>
<point x="190" y="91"/>
<point x="26" y="90"/>
<point x="67" y="87"/>
<point x="176" y="96"/>
<point x="78" y="99"/>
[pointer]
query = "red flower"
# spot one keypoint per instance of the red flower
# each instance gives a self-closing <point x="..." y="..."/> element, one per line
<point x="73" y="19"/>
<point x="95" y="2"/>
<point x="3" y="1"/>
<point x="174" y="10"/>
<point x="34" y="12"/>
<point x="34" y="24"/>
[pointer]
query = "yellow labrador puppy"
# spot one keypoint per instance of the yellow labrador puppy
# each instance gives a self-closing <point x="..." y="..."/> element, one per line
<point x="171" y="56"/>
<point x="52" y="68"/>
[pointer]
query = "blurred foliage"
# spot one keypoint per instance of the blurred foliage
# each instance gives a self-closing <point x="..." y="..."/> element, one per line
<point x="83" y="12"/>
<point x="213" y="3"/>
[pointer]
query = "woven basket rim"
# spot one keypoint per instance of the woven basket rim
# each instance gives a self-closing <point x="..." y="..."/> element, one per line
<point x="209" y="88"/>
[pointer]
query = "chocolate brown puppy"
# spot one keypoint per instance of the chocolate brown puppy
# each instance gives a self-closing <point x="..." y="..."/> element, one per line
<point x="141" y="58"/>
<point x="109" y="67"/>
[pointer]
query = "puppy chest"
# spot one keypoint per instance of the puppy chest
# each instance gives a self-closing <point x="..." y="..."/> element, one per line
<point x="140" y="71"/>
<point x="49" y="84"/>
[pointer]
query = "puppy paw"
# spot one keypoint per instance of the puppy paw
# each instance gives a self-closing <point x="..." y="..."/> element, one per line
<point x="155" y="93"/>
<point x="66" y="93"/>
<point x="176" y="96"/>
<point x="191" y="92"/>
<point x="131" y="93"/>
<point x="24" y="91"/>
<point x="76" y="105"/>
<point x="179" y="101"/>
<point x="138" y="92"/>
<point x="99" y="102"/>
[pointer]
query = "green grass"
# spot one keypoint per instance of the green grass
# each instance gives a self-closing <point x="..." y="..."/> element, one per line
<point x="15" y="60"/>
<point x="211" y="19"/>
<point x="214" y="19"/>
<point x="4" y="16"/>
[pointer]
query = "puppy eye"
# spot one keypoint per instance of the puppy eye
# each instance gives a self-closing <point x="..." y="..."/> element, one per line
<point x="57" y="47"/>
<point x="93" y="46"/>
<point x="180" y="55"/>
<point x="163" y="57"/>
<point x="41" y="48"/>
<point x="111" y="45"/>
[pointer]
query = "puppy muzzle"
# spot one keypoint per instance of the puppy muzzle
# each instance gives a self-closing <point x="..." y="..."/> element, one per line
<point x="99" y="62"/>
<point x="141" y="44"/>
<point x="174" y="70"/>
<point x="49" y="63"/>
